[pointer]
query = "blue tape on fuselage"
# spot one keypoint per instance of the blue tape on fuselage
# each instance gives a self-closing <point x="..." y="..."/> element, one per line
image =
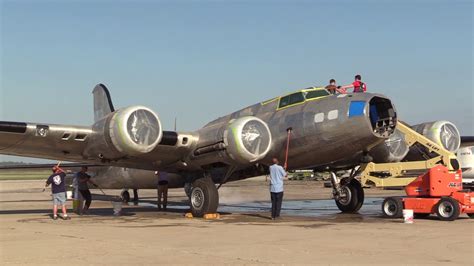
<point x="356" y="108"/>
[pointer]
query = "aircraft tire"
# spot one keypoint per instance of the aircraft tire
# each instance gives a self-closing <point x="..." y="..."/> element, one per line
<point x="204" y="197"/>
<point x="125" y="195"/>
<point x="354" y="197"/>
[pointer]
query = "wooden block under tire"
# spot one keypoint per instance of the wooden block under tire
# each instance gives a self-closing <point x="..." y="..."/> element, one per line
<point x="211" y="216"/>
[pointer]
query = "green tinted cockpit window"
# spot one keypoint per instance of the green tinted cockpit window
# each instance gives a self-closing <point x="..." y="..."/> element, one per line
<point x="316" y="94"/>
<point x="284" y="101"/>
<point x="297" y="97"/>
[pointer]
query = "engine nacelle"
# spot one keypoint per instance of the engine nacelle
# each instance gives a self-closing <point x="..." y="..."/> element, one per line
<point x="395" y="149"/>
<point x="129" y="131"/>
<point x="443" y="133"/>
<point x="247" y="139"/>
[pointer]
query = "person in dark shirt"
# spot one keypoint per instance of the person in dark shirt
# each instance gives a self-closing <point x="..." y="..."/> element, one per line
<point x="332" y="88"/>
<point x="83" y="178"/>
<point x="58" y="189"/>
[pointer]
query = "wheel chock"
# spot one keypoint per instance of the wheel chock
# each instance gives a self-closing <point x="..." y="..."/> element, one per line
<point x="211" y="216"/>
<point x="189" y="215"/>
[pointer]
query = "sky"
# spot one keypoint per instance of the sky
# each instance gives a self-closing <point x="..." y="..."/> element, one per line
<point x="198" y="60"/>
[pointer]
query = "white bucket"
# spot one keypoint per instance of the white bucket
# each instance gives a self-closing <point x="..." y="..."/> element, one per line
<point x="69" y="194"/>
<point x="117" y="207"/>
<point x="408" y="216"/>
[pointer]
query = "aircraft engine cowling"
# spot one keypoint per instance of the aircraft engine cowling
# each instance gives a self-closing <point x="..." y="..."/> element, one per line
<point x="248" y="139"/>
<point x="443" y="133"/>
<point x="129" y="131"/>
<point x="395" y="149"/>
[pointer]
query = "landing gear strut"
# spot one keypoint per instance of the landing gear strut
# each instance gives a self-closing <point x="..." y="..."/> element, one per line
<point x="125" y="195"/>
<point x="204" y="197"/>
<point x="348" y="193"/>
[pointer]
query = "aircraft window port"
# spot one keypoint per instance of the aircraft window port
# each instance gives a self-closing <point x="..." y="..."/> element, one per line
<point x="382" y="116"/>
<point x="184" y="141"/>
<point x="333" y="114"/>
<point x="66" y="136"/>
<point x="356" y="108"/>
<point x="319" y="117"/>
<point x="80" y="137"/>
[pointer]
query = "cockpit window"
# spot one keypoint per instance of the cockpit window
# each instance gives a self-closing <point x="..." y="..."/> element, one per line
<point x="316" y="94"/>
<point x="284" y="101"/>
<point x="297" y="97"/>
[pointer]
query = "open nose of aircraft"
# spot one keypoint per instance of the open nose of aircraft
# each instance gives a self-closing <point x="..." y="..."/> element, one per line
<point x="381" y="114"/>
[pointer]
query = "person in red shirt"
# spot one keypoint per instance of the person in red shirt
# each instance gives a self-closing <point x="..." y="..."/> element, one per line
<point x="358" y="85"/>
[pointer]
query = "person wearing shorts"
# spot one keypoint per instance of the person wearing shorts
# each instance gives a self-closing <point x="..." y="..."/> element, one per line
<point x="58" y="189"/>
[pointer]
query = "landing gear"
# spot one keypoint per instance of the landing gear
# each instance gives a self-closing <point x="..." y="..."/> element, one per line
<point x="187" y="189"/>
<point x="204" y="197"/>
<point x="135" y="196"/>
<point x="348" y="194"/>
<point x="125" y="195"/>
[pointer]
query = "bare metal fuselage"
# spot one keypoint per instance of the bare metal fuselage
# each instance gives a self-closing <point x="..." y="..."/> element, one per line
<point x="325" y="132"/>
<point x="338" y="141"/>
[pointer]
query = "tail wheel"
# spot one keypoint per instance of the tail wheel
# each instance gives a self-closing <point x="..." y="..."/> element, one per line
<point x="447" y="209"/>
<point x="125" y="196"/>
<point x="204" y="197"/>
<point x="471" y="215"/>
<point x="352" y="197"/>
<point x="392" y="207"/>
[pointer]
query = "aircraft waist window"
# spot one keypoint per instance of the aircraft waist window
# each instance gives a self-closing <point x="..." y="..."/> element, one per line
<point x="316" y="94"/>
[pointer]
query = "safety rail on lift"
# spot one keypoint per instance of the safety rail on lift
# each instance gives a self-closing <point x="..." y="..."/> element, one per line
<point x="402" y="173"/>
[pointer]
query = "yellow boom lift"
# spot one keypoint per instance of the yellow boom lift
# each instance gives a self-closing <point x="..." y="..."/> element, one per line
<point x="402" y="173"/>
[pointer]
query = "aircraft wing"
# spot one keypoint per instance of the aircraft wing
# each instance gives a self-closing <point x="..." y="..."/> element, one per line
<point x="57" y="142"/>
<point x="129" y="137"/>
<point x="44" y="166"/>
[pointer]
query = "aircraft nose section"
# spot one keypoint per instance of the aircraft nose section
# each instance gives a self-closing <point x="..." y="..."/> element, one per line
<point x="382" y="116"/>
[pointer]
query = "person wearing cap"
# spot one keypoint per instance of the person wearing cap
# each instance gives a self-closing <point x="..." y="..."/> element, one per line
<point x="58" y="189"/>
<point x="358" y="85"/>
<point x="83" y="180"/>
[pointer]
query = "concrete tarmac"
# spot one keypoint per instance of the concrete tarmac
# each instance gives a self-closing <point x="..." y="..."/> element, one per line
<point x="312" y="230"/>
